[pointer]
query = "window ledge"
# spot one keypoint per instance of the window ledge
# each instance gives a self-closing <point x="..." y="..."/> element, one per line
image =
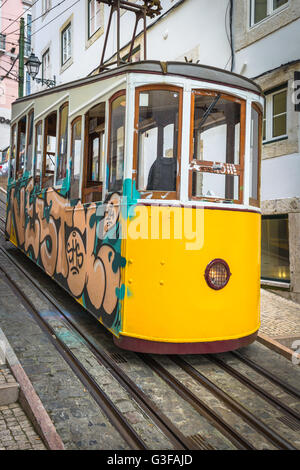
<point x="66" y="65"/>
<point x="94" y="37"/>
<point x="277" y="139"/>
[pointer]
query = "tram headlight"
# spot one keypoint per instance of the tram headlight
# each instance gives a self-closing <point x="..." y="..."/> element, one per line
<point x="217" y="274"/>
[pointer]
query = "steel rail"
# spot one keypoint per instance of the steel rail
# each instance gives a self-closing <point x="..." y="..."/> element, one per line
<point x="167" y="427"/>
<point x="228" y="431"/>
<point x="261" y="370"/>
<point x="271" y="435"/>
<point x="114" y="416"/>
<point x="253" y="386"/>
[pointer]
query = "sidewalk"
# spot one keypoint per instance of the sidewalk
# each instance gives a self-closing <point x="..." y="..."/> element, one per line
<point x="280" y="318"/>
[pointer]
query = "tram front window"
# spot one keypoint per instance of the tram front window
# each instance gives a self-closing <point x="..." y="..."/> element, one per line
<point x="13" y="151"/>
<point x="216" y="161"/>
<point x="49" y="150"/>
<point x="158" y="140"/>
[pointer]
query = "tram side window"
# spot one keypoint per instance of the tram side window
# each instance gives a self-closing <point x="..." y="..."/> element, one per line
<point x="216" y="159"/>
<point x="61" y="169"/>
<point x="255" y="155"/>
<point x="94" y="154"/>
<point x="75" y="158"/>
<point x="21" y="147"/>
<point x="29" y="152"/>
<point x="13" y="151"/>
<point x="116" y="144"/>
<point x="38" y="152"/>
<point x="157" y="140"/>
<point x="49" y="150"/>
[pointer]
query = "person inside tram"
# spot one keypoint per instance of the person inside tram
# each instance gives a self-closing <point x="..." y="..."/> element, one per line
<point x="162" y="174"/>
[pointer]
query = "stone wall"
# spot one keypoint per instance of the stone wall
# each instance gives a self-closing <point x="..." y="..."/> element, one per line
<point x="290" y="206"/>
<point x="246" y="34"/>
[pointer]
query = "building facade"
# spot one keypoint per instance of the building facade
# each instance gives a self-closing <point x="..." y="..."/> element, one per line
<point x="10" y="13"/>
<point x="266" y="42"/>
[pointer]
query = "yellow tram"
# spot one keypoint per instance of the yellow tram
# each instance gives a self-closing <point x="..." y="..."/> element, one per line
<point x="137" y="190"/>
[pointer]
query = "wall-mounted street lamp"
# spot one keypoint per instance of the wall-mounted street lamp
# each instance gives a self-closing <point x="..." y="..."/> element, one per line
<point x="33" y="65"/>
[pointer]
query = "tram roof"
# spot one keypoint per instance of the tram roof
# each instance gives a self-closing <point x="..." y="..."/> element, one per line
<point x="199" y="72"/>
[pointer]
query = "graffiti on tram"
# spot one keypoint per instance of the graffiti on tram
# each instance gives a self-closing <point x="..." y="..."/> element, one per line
<point x="79" y="246"/>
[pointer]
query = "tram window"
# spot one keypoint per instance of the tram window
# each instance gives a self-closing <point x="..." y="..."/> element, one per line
<point x="29" y="152"/>
<point x="94" y="154"/>
<point x="75" y="158"/>
<point x="217" y="153"/>
<point x="157" y="140"/>
<point x="38" y="152"/>
<point x="255" y="155"/>
<point x="13" y="151"/>
<point x="49" y="150"/>
<point x="210" y="186"/>
<point x="216" y="129"/>
<point x="21" y="147"/>
<point x="116" y="143"/>
<point x="61" y="169"/>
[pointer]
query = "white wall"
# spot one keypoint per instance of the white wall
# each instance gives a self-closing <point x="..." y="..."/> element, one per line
<point x="193" y="24"/>
<point x="280" y="177"/>
<point x="270" y="52"/>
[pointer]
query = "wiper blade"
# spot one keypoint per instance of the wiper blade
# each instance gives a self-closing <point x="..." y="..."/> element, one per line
<point x="209" y="110"/>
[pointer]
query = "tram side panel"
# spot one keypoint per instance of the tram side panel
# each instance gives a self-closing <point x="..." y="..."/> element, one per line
<point x="78" y="246"/>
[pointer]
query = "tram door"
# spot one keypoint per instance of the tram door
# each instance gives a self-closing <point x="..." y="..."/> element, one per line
<point x="94" y="154"/>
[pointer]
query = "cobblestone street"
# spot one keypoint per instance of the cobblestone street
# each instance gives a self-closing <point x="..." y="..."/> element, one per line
<point x="280" y="318"/>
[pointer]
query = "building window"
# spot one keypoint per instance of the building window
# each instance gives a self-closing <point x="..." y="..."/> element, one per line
<point x="2" y="41"/>
<point x="45" y="65"/>
<point x="261" y="9"/>
<point x="275" y="114"/>
<point x="275" y="248"/>
<point x="28" y="36"/>
<point x="94" y="17"/>
<point x="66" y="44"/>
<point x="28" y="84"/>
<point x="46" y="6"/>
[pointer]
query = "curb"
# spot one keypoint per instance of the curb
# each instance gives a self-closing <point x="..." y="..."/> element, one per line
<point x="30" y="401"/>
<point x="279" y="348"/>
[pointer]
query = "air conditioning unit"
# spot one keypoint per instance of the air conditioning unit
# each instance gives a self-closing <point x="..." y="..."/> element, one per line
<point x="2" y="43"/>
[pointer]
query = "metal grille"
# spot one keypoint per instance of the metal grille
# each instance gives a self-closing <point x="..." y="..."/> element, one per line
<point x="218" y="275"/>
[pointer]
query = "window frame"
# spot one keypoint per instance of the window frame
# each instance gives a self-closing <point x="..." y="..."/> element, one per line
<point x="56" y="184"/>
<point x="44" y="152"/>
<point x="88" y="12"/>
<point x="165" y="195"/>
<point x="253" y="201"/>
<point x="73" y="124"/>
<point x="64" y="30"/>
<point x="39" y="182"/>
<point x="18" y="172"/>
<point x="270" y="11"/>
<point x="205" y="164"/>
<point x="108" y="144"/>
<point x="27" y="140"/>
<point x="269" y="94"/>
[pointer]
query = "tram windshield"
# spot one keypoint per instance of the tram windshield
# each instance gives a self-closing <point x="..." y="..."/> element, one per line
<point x="157" y="143"/>
<point x="216" y="146"/>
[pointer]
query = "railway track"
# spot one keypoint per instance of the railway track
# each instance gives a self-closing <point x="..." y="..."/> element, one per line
<point x="63" y="318"/>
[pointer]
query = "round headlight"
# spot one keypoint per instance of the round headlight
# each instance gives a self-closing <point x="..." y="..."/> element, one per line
<point x="217" y="274"/>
